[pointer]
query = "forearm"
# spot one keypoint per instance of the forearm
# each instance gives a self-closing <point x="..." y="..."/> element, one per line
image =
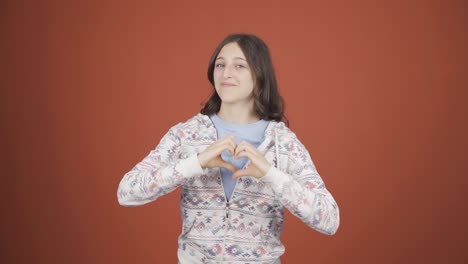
<point x="307" y="198"/>
<point x="144" y="184"/>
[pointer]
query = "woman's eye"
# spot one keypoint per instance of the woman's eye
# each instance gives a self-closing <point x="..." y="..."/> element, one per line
<point x="240" y="66"/>
<point x="219" y="65"/>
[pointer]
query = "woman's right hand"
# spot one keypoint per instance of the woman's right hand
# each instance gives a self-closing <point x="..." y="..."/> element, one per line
<point x="211" y="156"/>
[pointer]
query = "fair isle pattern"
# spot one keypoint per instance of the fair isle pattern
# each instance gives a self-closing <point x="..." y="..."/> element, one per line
<point x="247" y="229"/>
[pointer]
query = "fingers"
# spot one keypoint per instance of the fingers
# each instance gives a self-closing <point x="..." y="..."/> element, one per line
<point x="243" y="172"/>
<point x="225" y="146"/>
<point x="258" y="162"/>
<point x="214" y="150"/>
<point x="245" y="147"/>
<point x="252" y="157"/>
<point x="228" y="143"/>
<point x="228" y="166"/>
<point x="227" y="139"/>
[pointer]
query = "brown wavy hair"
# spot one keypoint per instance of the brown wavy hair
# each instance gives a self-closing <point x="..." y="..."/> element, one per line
<point x="268" y="103"/>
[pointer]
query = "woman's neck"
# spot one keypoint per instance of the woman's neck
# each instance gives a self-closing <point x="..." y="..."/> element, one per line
<point x="237" y="114"/>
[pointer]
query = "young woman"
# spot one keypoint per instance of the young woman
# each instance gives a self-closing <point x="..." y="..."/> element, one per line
<point x="238" y="164"/>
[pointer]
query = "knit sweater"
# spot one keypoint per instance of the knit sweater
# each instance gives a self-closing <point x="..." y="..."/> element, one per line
<point x="248" y="227"/>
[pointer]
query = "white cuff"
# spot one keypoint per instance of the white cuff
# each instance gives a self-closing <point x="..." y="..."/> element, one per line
<point x="276" y="178"/>
<point x="190" y="166"/>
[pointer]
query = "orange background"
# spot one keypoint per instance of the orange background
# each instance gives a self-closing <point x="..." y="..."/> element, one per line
<point x="376" y="92"/>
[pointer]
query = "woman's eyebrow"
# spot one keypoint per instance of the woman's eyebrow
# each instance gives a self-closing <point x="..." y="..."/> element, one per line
<point x="221" y="58"/>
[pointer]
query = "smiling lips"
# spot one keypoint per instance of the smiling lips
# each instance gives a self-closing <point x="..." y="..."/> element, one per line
<point x="226" y="84"/>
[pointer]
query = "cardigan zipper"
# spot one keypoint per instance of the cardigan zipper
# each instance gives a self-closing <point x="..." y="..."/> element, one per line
<point x="228" y="209"/>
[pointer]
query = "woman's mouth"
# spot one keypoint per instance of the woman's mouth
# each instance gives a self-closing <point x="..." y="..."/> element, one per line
<point x="226" y="84"/>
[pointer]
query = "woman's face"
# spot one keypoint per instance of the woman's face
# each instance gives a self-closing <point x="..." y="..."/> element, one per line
<point x="232" y="76"/>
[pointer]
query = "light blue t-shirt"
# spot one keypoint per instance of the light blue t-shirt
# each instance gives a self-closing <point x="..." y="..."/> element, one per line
<point x="253" y="133"/>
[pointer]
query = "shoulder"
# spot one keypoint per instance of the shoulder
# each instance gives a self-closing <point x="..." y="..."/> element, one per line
<point x="284" y="133"/>
<point x="197" y="121"/>
<point x="193" y="128"/>
<point x="289" y="141"/>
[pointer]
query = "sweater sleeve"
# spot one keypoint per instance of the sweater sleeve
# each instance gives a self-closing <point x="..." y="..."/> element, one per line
<point x="159" y="173"/>
<point x="303" y="192"/>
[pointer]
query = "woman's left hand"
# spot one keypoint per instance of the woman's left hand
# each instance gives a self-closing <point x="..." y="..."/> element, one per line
<point x="258" y="165"/>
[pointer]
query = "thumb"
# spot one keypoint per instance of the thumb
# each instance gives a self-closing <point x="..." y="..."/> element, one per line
<point x="228" y="166"/>
<point x="240" y="173"/>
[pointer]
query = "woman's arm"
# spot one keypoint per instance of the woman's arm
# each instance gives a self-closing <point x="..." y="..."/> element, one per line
<point x="303" y="192"/>
<point x="158" y="173"/>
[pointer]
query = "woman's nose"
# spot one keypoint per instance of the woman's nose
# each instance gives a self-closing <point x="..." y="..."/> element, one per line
<point x="227" y="71"/>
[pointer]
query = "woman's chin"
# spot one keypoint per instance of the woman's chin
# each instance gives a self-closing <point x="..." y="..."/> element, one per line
<point x="228" y="99"/>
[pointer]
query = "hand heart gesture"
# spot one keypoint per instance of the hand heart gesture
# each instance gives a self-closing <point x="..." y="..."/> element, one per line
<point x="258" y="165"/>
<point x="211" y="158"/>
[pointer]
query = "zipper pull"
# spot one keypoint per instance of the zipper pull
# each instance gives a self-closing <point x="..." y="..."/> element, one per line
<point x="227" y="209"/>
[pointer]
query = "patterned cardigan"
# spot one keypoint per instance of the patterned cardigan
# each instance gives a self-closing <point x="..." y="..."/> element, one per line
<point x="248" y="227"/>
